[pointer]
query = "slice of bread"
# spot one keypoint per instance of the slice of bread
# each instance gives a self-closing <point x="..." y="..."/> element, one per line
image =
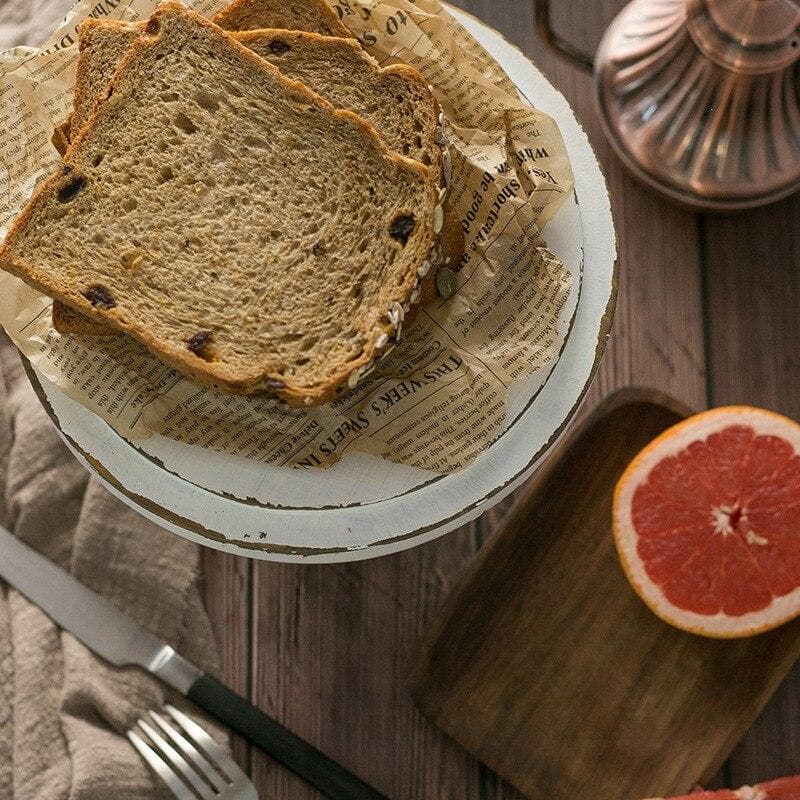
<point x="238" y="225"/>
<point x="296" y="15"/>
<point x="395" y="100"/>
<point x="102" y="46"/>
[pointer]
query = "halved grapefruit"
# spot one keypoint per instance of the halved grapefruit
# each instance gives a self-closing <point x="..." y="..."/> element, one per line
<point x="707" y="522"/>
<point x="781" y="789"/>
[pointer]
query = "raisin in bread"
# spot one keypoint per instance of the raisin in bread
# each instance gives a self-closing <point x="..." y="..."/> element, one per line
<point x="395" y="100"/>
<point x="238" y="225"/>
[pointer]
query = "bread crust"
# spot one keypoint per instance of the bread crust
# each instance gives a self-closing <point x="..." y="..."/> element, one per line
<point x="219" y="375"/>
<point x="66" y="320"/>
<point x="82" y="77"/>
<point x="235" y="16"/>
<point x="61" y="136"/>
<point x="403" y="72"/>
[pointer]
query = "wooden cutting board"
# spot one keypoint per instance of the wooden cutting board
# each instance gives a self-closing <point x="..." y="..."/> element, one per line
<point x="547" y="667"/>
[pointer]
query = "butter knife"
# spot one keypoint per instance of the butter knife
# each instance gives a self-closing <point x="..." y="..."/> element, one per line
<point x="107" y="632"/>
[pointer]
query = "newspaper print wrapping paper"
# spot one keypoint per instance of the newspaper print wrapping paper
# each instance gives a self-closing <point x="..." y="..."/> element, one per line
<point x="439" y="399"/>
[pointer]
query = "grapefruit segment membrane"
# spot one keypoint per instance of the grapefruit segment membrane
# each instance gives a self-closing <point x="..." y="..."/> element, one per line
<point x="706" y="521"/>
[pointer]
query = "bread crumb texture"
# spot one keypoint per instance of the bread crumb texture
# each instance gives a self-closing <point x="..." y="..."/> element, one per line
<point x="230" y="219"/>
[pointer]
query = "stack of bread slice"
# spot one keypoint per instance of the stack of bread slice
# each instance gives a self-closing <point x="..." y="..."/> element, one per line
<point x="96" y="70"/>
<point x="260" y="207"/>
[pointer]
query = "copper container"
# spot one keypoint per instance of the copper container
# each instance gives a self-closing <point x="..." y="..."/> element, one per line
<point x="701" y="98"/>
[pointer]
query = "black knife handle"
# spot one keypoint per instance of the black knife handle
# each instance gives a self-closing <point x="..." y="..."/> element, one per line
<point x="294" y="753"/>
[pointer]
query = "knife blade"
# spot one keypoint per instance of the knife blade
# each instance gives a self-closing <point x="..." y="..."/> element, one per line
<point x="107" y="632"/>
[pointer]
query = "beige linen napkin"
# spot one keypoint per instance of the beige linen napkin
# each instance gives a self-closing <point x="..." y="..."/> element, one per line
<point x="28" y="22"/>
<point x="63" y="712"/>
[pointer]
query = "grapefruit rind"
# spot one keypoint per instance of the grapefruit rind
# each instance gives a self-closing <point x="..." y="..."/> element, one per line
<point x="672" y="441"/>
<point x="779" y="789"/>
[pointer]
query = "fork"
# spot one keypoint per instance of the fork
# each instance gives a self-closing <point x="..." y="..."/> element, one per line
<point x="175" y="756"/>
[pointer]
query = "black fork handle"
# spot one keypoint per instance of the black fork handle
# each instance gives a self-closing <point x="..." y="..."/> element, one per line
<point x="297" y="755"/>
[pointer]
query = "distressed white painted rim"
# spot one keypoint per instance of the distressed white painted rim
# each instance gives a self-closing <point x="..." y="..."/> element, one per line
<point x="377" y="528"/>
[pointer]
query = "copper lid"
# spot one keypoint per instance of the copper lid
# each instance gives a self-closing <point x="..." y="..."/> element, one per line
<point x="701" y="98"/>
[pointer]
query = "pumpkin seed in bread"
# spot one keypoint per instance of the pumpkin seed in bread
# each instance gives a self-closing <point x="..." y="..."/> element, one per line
<point x="244" y="230"/>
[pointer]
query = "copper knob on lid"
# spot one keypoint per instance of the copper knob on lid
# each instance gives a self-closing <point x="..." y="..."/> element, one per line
<point x="701" y="98"/>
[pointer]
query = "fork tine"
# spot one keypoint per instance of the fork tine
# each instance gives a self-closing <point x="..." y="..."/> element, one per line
<point x="161" y="768"/>
<point x="186" y="747"/>
<point x="177" y="761"/>
<point x="200" y="737"/>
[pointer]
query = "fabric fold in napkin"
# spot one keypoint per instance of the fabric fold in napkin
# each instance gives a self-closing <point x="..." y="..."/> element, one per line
<point x="63" y="711"/>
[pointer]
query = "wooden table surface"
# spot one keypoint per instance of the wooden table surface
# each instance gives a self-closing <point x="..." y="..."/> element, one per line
<point x="707" y="311"/>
